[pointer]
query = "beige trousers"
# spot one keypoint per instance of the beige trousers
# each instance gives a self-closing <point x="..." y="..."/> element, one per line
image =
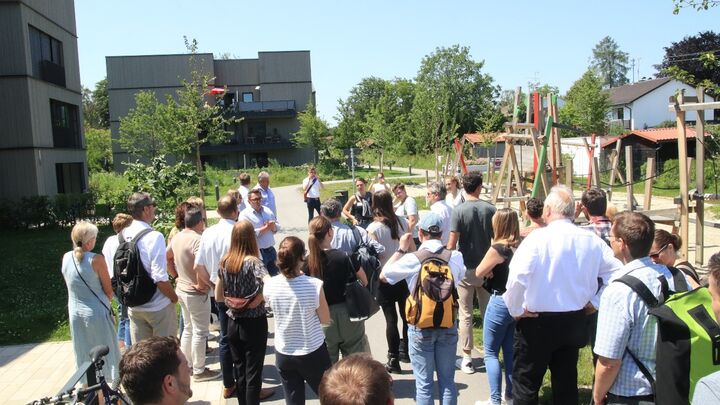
<point x="466" y="294"/>
<point x="153" y="323"/>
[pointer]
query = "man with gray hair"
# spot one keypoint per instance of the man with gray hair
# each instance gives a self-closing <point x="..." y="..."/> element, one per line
<point x="436" y="193"/>
<point x="268" y="197"/>
<point x="156" y="317"/>
<point x="343" y="237"/>
<point x="556" y="276"/>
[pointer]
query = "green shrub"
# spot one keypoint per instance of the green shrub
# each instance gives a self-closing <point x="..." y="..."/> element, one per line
<point x="111" y="191"/>
<point x="670" y="175"/>
<point x="35" y="212"/>
<point x="69" y="208"/>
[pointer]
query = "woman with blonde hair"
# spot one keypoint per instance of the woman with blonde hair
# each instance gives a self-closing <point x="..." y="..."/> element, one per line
<point x="498" y="325"/>
<point x="91" y="319"/>
<point x="240" y="286"/>
<point x="335" y="269"/>
<point x="300" y="308"/>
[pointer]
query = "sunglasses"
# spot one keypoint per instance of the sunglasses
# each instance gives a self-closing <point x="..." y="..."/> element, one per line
<point x="657" y="254"/>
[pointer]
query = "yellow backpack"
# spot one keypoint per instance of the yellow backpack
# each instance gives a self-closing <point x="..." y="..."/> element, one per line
<point x="434" y="301"/>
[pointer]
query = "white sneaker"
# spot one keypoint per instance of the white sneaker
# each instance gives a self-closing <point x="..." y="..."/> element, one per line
<point x="486" y="402"/>
<point x="507" y="401"/>
<point x="465" y="365"/>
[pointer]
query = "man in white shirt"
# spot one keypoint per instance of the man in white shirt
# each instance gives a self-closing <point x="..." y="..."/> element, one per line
<point x="431" y="349"/>
<point x="436" y="194"/>
<point x="311" y="192"/>
<point x="268" y="197"/>
<point x="266" y="225"/>
<point x="244" y="188"/>
<point x="556" y="275"/>
<point x="157" y="317"/>
<point x="343" y="237"/>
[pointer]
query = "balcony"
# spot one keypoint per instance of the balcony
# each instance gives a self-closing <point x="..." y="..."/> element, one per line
<point x="52" y="72"/>
<point x="265" y="109"/>
<point x="248" y="144"/>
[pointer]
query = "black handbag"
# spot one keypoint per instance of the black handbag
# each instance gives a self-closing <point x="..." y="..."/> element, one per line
<point x="360" y="303"/>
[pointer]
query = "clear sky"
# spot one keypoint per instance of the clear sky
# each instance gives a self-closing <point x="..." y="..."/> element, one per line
<point x="520" y="41"/>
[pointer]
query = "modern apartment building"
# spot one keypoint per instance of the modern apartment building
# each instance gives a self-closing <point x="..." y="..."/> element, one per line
<point x="41" y="135"/>
<point x="267" y="93"/>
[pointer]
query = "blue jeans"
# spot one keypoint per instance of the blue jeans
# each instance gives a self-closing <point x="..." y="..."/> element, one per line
<point x="498" y="333"/>
<point x="269" y="256"/>
<point x="226" y="360"/>
<point x="432" y="350"/>
<point x="124" y="327"/>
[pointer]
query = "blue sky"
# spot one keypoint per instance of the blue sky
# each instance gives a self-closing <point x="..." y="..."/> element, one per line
<point x="520" y="41"/>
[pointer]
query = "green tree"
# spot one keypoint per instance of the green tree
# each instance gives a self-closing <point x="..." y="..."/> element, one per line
<point x="313" y="130"/>
<point x="451" y="91"/>
<point x="144" y="130"/>
<point x="698" y="5"/>
<point x="180" y="125"/>
<point x="96" y="112"/>
<point x="610" y="63"/>
<point x="586" y="105"/>
<point x="352" y="111"/>
<point x="99" y="149"/>
<point x="694" y="60"/>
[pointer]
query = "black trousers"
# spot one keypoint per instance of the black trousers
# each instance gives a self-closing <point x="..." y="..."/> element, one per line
<point x="295" y="370"/>
<point x="550" y="340"/>
<point x="247" y="338"/>
<point x="313" y="204"/>
<point x="388" y="296"/>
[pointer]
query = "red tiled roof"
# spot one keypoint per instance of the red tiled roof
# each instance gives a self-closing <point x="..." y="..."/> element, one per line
<point x="477" y="137"/>
<point x="655" y="135"/>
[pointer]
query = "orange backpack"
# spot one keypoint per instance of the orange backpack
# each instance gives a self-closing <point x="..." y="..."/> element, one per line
<point x="434" y="301"/>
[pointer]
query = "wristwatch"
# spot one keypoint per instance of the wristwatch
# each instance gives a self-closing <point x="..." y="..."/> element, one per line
<point x="402" y="252"/>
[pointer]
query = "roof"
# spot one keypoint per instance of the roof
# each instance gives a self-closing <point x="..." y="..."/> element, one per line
<point x="484" y="137"/>
<point x="655" y="135"/>
<point x="630" y="92"/>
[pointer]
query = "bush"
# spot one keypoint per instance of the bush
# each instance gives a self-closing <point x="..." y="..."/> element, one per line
<point x="670" y="175"/>
<point x="35" y="212"/>
<point x="68" y="208"/>
<point x="111" y="191"/>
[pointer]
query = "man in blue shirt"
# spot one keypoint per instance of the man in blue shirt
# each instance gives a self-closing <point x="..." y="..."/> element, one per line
<point x="266" y="225"/>
<point x="623" y="322"/>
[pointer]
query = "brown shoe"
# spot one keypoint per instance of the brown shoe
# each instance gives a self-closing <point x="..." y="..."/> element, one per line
<point x="229" y="392"/>
<point x="266" y="393"/>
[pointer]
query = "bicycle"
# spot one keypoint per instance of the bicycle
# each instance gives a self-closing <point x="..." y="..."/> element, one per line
<point x="92" y="369"/>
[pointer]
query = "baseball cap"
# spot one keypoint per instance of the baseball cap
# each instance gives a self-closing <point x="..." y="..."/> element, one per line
<point x="431" y="223"/>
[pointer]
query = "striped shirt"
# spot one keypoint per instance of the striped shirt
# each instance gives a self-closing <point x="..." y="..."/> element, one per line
<point x="294" y="302"/>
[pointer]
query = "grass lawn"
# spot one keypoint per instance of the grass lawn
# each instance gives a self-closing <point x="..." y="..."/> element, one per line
<point x="584" y="367"/>
<point x="32" y="291"/>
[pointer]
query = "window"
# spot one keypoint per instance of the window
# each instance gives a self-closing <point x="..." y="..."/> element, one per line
<point x="47" y="57"/>
<point x="70" y="177"/>
<point x="247" y="97"/>
<point x="65" y="124"/>
<point x="620" y="113"/>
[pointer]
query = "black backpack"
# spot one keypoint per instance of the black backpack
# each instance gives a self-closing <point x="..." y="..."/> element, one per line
<point x="365" y="256"/>
<point x="131" y="283"/>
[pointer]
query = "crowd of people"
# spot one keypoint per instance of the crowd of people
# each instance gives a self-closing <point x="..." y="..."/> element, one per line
<point x="544" y="291"/>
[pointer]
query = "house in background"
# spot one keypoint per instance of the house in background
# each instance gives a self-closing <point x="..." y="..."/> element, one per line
<point x="644" y="104"/>
<point x="42" y="150"/>
<point x="267" y="93"/>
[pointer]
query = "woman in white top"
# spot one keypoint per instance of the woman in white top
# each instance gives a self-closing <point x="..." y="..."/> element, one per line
<point x="406" y="207"/>
<point x="379" y="184"/>
<point x="299" y="305"/>
<point x="387" y="228"/>
<point x="454" y="195"/>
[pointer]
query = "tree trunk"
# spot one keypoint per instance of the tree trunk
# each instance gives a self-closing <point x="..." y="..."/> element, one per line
<point x="382" y="159"/>
<point x="201" y="174"/>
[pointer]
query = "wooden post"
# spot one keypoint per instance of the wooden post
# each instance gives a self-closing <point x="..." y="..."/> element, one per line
<point x="684" y="180"/>
<point x="427" y="177"/>
<point x="410" y="170"/>
<point x="629" y="177"/>
<point x="614" y="166"/>
<point x="700" y="180"/>
<point x="596" y="172"/>
<point x="569" y="173"/>
<point x="649" y="174"/>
